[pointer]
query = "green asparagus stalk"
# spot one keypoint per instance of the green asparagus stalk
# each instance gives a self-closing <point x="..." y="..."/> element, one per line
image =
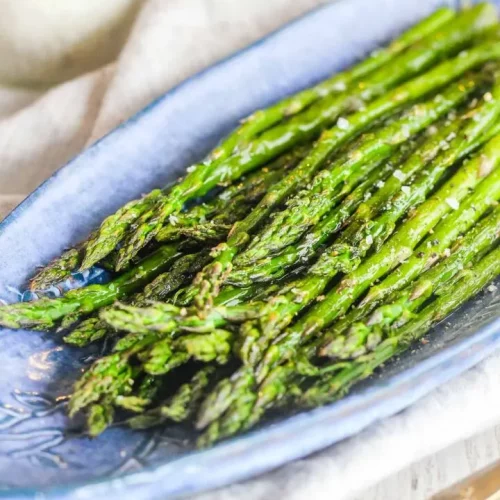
<point x="264" y="119"/>
<point x="226" y="412"/>
<point x="305" y="209"/>
<point x="94" y="328"/>
<point x="364" y="336"/>
<point x="102" y="243"/>
<point x="345" y="256"/>
<point x="167" y="354"/>
<point x="58" y="270"/>
<point x="363" y="234"/>
<point x="180" y="406"/>
<point x="386" y="186"/>
<point x="455" y="35"/>
<point x="45" y="313"/>
<point x="168" y="318"/>
<point x="209" y="280"/>
<point x="396" y="250"/>
<point x="232" y="203"/>
<point x="226" y="393"/>
<point x="99" y="417"/>
<point x="326" y="390"/>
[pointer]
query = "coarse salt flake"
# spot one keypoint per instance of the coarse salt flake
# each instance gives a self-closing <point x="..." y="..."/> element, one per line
<point x="473" y="103"/>
<point x="399" y="175"/>
<point x="343" y="123"/>
<point x="340" y="86"/>
<point x="225" y="195"/>
<point x="432" y="130"/>
<point x="369" y="239"/>
<point x="453" y="203"/>
<point x="406" y="189"/>
<point x="190" y="169"/>
<point x="444" y="145"/>
<point x="488" y="97"/>
<point x="173" y="219"/>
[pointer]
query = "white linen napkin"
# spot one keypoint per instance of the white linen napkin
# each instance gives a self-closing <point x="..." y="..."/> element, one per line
<point x="120" y="55"/>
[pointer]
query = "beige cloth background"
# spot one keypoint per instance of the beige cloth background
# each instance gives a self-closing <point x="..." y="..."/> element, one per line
<point x="72" y="71"/>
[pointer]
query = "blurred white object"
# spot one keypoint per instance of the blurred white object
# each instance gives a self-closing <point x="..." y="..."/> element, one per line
<point x="47" y="41"/>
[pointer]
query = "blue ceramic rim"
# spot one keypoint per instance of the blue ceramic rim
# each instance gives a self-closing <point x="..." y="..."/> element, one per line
<point x="378" y="401"/>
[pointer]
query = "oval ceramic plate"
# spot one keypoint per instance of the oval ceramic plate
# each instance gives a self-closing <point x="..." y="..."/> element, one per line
<point x="40" y="450"/>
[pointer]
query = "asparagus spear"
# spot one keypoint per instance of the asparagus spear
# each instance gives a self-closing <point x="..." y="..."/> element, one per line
<point x="180" y="406"/>
<point x="168" y="318"/>
<point x="45" y="313"/>
<point x="167" y="354"/>
<point x="280" y="310"/>
<point x="363" y="235"/>
<point x="102" y="243"/>
<point x="363" y="336"/>
<point x="455" y="35"/>
<point x="347" y="254"/>
<point x="58" y="270"/>
<point x="396" y="250"/>
<point x="191" y="224"/>
<point x="275" y="267"/>
<point x="209" y="280"/>
<point x="114" y="375"/>
<point x="94" y="328"/>
<point x="229" y="411"/>
<point x="100" y="416"/>
<point x="233" y="202"/>
<point x="473" y="280"/>
<point x="264" y="119"/>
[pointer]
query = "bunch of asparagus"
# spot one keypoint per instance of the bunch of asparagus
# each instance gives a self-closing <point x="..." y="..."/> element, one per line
<point x="316" y="242"/>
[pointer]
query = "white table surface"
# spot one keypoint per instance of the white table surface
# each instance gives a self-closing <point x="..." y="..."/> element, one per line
<point x="434" y="473"/>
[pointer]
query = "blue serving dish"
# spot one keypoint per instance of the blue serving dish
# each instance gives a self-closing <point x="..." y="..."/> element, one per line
<point x="40" y="453"/>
